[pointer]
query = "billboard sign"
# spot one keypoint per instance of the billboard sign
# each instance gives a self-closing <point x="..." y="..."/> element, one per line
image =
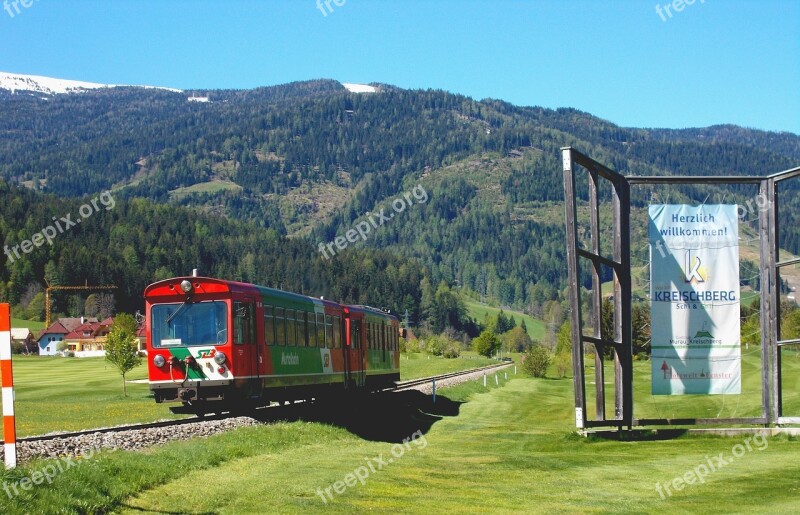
<point x="694" y="299"/>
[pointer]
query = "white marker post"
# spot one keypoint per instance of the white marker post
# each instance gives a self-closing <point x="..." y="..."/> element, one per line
<point x="9" y="424"/>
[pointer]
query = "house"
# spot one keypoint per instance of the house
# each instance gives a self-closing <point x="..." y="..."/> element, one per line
<point x="23" y="337"/>
<point x="141" y="336"/>
<point x="88" y="339"/>
<point x="71" y="323"/>
<point x="50" y="338"/>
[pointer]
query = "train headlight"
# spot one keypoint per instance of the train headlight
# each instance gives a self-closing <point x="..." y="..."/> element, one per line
<point x="186" y="286"/>
<point x="220" y="358"/>
<point x="159" y="360"/>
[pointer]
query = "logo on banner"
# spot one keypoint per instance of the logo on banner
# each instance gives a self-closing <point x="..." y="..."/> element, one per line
<point x="691" y="269"/>
<point x="694" y="312"/>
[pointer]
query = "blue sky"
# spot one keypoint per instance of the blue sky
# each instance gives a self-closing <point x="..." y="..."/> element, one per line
<point x="713" y="61"/>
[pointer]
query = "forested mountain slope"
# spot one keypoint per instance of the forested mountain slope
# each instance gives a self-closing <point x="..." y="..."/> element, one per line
<point x="311" y="159"/>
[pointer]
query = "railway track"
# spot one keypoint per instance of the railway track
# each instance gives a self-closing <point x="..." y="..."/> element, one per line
<point x="409" y="385"/>
<point x="135" y="436"/>
<point x="117" y="429"/>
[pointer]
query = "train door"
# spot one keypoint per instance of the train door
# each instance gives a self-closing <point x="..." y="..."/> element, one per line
<point x="355" y="359"/>
<point x="246" y="350"/>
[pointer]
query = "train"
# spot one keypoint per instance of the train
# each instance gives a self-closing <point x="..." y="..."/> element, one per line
<point x="215" y="345"/>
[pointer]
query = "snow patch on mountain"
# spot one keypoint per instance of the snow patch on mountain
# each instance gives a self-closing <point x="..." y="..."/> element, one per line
<point x="359" y="88"/>
<point x="49" y="86"/>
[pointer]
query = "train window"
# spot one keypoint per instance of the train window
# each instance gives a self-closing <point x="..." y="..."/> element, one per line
<point x="300" y="323"/>
<point x="320" y="330"/>
<point x="269" y="325"/>
<point x="243" y="323"/>
<point x="280" y="326"/>
<point x="337" y="333"/>
<point x="290" y="333"/>
<point x="370" y="336"/>
<point x="329" y="331"/>
<point x="199" y="323"/>
<point x="311" y="329"/>
<point x="355" y="334"/>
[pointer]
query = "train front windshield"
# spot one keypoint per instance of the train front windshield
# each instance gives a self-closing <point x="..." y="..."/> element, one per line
<point x="182" y="324"/>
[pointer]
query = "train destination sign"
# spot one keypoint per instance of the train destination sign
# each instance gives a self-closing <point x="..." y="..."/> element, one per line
<point x="694" y="299"/>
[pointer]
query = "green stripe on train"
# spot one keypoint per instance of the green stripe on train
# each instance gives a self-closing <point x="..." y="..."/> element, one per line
<point x="379" y="360"/>
<point x="296" y="360"/>
<point x="181" y="353"/>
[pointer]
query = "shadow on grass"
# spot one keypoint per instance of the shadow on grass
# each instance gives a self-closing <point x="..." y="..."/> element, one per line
<point x="637" y="435"/>
<point x="137" y="508"/>
<point x="387" y="417"/>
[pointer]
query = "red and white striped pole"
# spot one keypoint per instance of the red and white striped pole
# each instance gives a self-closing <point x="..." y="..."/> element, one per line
<point x="9" y="424"/>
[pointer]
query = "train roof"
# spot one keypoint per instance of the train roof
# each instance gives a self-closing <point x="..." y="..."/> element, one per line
<point x="370" y="310"/>
<point x="169" y="287"/>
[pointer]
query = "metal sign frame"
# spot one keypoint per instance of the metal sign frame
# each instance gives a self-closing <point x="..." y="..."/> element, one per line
<point x="769" y="269"/>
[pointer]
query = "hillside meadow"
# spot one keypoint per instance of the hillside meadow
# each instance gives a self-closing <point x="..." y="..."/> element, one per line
<point x="509" y="447"/>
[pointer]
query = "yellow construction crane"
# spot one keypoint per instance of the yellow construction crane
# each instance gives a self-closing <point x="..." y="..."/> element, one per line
<point x="84" y="287"/>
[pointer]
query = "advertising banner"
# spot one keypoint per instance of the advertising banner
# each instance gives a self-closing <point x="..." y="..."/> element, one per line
<point x="694" y="294"/>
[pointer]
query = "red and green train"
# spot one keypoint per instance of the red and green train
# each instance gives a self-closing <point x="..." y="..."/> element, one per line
<point x="215" y="345"/>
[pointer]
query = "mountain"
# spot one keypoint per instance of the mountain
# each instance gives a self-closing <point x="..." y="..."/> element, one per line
<point x="48" y="86"/>
<point x="313" y="159"/>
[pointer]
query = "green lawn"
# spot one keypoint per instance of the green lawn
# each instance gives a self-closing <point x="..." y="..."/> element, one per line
<point x="506" y="449"/>
<point x="478" y="311"/>
<point x="33" y="325"/>
<point x="414" y="365"/>
<point x="748" y="404"/>
<point x="66" y="394"/>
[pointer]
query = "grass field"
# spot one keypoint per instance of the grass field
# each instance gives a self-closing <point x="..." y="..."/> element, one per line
<point x="415" y="365"/>
<point x="505" y="449"/>
<point x="748" y="404"/>
<point x="204" y="187"/>
<point x="478" y="311"/>
<point x="30" y="324"/>
<point x="67" y="394"/>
